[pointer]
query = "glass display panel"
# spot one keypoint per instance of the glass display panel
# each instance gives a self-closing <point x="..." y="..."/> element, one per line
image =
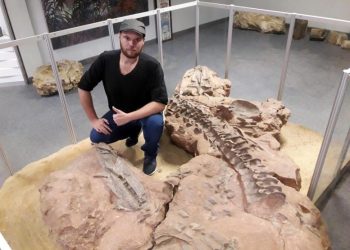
<point x="32" y="123"/>
<point x="4" y="168"/>
<point x="331" y="164"/>
<point x="213" y="31"/>
<point x="256" y="62"/>
<point x="178" y="52"/>
<point x="79" y="57"/>
<point x="314" y="73"/>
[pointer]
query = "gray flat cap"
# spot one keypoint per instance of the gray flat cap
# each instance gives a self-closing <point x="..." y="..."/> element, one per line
<point x="133" y="25"/>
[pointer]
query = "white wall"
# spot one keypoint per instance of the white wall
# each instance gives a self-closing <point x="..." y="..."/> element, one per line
<point x="182" y="20"/>
<point x="185" y="18"/>
<point x="31" y="21"/>
<point x="339" y="9"/>
<point x="82" y="50"/>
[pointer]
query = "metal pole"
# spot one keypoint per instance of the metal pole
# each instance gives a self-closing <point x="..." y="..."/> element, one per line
<point x="12" y="36"/>
<point x="286" y="57"/>
<point x="6" y="161"/>
<point x="197" y="34"/>
<point x="60" y="89"/>
<point x="111" y="32"/>
<point x="3" y="243"/>
<point x="160" y="38"/>
<point x="343" y="154"/>
<point x="229" y="40"/>
<point x="328" y="134"/>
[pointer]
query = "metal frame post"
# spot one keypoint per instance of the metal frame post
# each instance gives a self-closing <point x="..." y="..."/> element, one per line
<point x="229" y="40"/>
<point x="6" y="161"/>
<point x="60" y="89"/>
<point x="160" y="37"/>
<point x="197" y="34"/>
<point x="342" y="156"/>
<point x="328" y="134"/>
<point x="3" y="243"/>
<point x="286" y="57"/>
<point x="111" y="33"/>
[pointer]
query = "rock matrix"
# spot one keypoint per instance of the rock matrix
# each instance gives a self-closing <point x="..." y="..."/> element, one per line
<point x="318" y="34"/>
<point x="201" y="81"/>
<point x="70" y="73"/>
<point x="336" y="38"/>
<point x="345" y="44"/>
<point x="244" y="179"/>
<point x="239" y="131"/>
<point x="100" y="202"/>
<point x="209" y="211"/>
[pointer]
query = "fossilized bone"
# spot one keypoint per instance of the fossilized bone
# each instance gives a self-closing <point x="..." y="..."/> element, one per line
<point x="123" y="183"/>
<point x="258" y="183"/>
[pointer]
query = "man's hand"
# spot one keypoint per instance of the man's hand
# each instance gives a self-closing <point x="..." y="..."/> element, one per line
<point x="120" y="117"/>
<point x="101" y="126"/>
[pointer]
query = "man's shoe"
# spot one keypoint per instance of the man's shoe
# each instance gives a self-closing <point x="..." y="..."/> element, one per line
<point x="149" y="165"/>
<point x="131" y="142"/>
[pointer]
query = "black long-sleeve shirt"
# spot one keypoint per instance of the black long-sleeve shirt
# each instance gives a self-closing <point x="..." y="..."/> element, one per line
<point x="144" y="84"/>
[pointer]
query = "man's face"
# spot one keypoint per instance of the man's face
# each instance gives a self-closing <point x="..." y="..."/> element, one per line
<point x="131" y="43"/>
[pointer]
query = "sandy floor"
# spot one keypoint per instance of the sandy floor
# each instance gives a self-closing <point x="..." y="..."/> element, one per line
<point x="302" y="145"/>
<point x="20" y="218"/>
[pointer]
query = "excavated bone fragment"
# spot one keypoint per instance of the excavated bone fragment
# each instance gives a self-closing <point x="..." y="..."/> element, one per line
<point x="253" y="193"/>
<point x="129" y="190"/>
<point x="216" y="217"/>
<point x="101" y="202"/>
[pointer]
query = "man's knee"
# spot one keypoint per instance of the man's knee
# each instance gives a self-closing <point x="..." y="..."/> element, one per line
<point x="155" y="121"/>
<point x="96" y="137"/>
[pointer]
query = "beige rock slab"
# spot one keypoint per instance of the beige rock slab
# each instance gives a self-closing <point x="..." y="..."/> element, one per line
<point x="208" y="212"/>
<point x="70" y="73"/>
<point x="318" y="34"/>
<point x="21" y="221"/>
<point x="345" y="44"/>
<point x="20" y="217"/>
<point x="260" y="22"/>
<point x="100" y="201"/>
<point x="336" y="38"/>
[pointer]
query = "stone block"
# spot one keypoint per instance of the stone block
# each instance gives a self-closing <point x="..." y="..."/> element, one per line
<point x="318" y="34"/>
<point x="259" y="22"/>
<point x="70" y="73"/>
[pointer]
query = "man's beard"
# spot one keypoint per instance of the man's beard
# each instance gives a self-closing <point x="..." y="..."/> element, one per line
<point x="130" y="54"/>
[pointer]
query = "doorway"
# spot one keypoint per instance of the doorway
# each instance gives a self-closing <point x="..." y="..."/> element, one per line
<point x="11" y="73"/>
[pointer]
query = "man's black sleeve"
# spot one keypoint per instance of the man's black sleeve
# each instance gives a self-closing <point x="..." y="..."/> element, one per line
<point x="93" y="75"/>
<point x="159" y="92"/>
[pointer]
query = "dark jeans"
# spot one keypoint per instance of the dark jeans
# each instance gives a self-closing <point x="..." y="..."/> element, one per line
<point x="152" y="127"/>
